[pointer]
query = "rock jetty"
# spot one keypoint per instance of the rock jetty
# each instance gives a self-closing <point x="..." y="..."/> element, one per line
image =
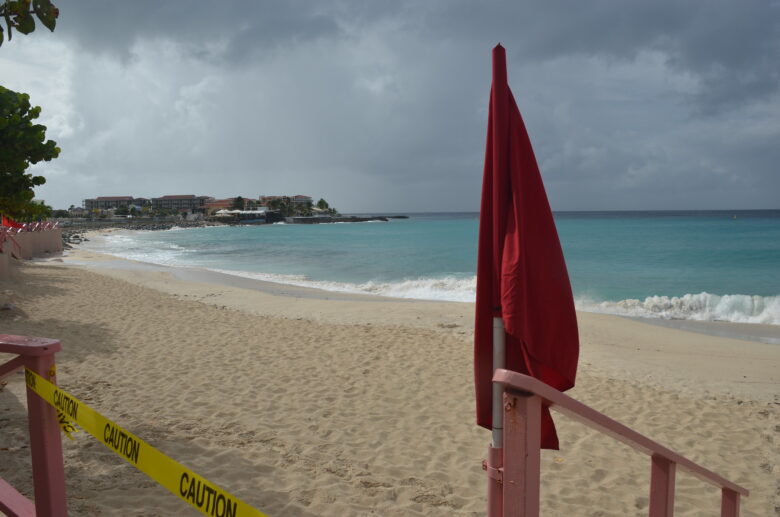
<point x="324" y="219"/>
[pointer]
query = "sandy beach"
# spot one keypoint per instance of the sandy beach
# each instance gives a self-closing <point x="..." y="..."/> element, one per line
<point x="304" y="402"/>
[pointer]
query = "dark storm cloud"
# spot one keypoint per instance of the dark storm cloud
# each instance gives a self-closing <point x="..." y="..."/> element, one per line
<point x="246" y="27"/>
<point x="383" y="105"/>
<point x="732" y="47"/>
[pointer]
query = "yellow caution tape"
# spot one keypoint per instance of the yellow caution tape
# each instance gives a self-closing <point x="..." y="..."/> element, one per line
<point x="178" y="479"/>
<point x="66" y="426"/>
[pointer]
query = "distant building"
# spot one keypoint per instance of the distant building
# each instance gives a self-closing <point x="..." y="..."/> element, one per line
<point x="181" y="202"/>
<point x="297" y="199"/>
<point x="227" y="204"/>
<point x="218" y="204"/>
<point x="264" y="200"/>
<point x="107" y="202"/>
<point x="301" y="200"/>
<point x="242" y="216"/>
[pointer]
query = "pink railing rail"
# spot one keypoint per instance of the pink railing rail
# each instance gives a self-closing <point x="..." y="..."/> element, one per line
<point x="37" y="354"/>
<point x="523" y="399"/>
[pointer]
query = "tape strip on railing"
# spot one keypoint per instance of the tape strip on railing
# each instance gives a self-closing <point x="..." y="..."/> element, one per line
<point x="200" y="493"/>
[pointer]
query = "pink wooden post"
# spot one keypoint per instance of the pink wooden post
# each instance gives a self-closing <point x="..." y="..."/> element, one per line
<point x="494" y="467"/>
<point x="46" y="446"/>
<point x="729" y="503"/>
<point x="661" y="487"/>
<point x="522" y="454"/>
<point x="37" y="354"/>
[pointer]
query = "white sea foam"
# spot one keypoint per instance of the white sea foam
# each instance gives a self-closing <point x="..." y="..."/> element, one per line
<point x="739" y="308"/>
<point x="700" y="307"/>
<point x="444" y="289"/>
<point x="126" y="246"/>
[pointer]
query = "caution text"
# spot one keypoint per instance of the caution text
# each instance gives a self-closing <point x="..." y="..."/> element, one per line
<point x="209" y="500"/>
<point x="121" y="442"/>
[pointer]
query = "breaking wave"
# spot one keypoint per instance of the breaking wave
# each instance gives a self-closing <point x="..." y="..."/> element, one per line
<point x="700" y="307"/>
<point x="461" y="287"/>
<point x="740" y="308"/>
<point x="448" y="288"/>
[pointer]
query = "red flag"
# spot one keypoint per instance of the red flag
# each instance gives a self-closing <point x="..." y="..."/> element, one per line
<point x="7" y="221"/>
<point x="521" y="273"/>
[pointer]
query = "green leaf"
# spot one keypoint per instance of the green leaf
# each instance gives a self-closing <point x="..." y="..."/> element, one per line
<point x="7" y="17"/>
<point x="22" y="144"/>
<point x="46" y="13"/>
<point x="17" y="7"/>
<point x="25" y="24"/>
<point x="1" y="36"/>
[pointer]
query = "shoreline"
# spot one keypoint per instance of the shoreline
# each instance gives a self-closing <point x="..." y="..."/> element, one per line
<point x="262" y="297"/>
<point x="757" y="332"/>
<point x="644" y="337"/>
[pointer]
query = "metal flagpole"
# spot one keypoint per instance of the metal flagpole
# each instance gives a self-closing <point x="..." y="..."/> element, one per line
<point x="495" y="459"/>
<point x="499" y="355"/>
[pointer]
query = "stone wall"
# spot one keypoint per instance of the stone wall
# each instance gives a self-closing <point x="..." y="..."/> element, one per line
<point x="32" y="244"/>
<point x="5" y="260"/>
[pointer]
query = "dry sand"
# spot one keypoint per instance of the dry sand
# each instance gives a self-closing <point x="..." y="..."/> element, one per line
<point x="308" y="403"/>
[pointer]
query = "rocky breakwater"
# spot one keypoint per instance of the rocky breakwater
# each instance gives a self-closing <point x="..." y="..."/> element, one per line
<point x="323" y="219"/>
<point x="356" y="219"/>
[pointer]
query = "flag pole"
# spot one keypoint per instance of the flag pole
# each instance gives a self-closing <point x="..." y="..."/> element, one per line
<point x="499" y="355"/>
<point x="495" y="459"/>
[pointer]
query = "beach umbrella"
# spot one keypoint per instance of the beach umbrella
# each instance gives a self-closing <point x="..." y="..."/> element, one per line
<point x="524" y="298"/>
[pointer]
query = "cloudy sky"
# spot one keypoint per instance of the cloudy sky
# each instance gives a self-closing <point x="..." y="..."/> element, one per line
<point x="382" y="106"/>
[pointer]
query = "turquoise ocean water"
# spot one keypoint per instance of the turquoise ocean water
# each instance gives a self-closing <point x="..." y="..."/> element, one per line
<point x="689" y="265"/>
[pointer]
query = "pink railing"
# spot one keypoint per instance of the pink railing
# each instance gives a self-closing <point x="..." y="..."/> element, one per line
<point x="37" y="354"/>
<point x="519" y="477"/>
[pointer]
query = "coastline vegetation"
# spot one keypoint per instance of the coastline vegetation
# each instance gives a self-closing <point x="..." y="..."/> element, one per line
<point x="288" y="208"/>
<point x="283" y="206"/>
<point x="23" y="143"/>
